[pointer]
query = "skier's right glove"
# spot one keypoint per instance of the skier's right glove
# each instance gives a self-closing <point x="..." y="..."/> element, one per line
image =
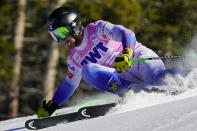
<point x="47" y="109"/>
<point x="122" y="62"/>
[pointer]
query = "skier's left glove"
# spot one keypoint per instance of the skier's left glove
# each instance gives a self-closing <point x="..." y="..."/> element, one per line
<point x="47" y="109"/>
<point x="122" y="62"/>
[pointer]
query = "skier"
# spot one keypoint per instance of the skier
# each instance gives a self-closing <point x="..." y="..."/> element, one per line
<point x="99" y="53"/>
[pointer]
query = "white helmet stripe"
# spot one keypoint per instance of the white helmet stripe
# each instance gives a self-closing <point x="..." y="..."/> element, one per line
<point x="54" y="37"/>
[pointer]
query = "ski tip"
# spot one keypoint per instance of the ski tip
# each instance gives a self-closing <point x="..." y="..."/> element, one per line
<point x="29" y="124"/>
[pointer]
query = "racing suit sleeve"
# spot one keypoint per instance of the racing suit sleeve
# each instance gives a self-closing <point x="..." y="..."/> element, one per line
<point x="69" y="84"/>
<point x="116" y="33"/>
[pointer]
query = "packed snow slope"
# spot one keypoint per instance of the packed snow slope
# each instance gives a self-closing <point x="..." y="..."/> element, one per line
<point x="142" y="111"/>
<point x="179" y="113"/>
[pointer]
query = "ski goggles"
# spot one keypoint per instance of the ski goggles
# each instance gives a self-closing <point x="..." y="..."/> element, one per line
<point x="60" y="33"/>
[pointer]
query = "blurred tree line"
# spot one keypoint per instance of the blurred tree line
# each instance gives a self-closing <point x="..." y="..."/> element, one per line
<point x="166" y="26"/>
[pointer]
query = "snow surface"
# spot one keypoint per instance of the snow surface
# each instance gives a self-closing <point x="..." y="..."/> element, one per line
<point x="142" y="111"/>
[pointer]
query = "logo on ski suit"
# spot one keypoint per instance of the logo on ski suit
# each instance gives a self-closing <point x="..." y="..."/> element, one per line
<point x="95" y="54"/>
<point x="114" y="86"/>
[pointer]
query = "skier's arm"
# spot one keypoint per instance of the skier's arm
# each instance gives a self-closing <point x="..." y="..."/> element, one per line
<point x="117" y="33"/>
<point x="64" y="91"/>
<point x="121" y="34"/>
<point x="69" y="84"/>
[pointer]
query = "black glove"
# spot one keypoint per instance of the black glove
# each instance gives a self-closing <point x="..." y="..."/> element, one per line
<point x="47" y="109"/>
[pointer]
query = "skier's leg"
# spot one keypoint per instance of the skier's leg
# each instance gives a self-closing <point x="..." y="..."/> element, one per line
<point x="153" y="71"/>
<point x="148" y="71"/>
<point x="104" y="78"/>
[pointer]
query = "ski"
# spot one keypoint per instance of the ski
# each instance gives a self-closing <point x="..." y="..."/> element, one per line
<point x="95" y="111"/>
<point x="82" y="113"/>
<point x="35" y="124"/>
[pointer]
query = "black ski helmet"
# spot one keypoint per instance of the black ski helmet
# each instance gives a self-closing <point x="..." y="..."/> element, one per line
<point x="65" y="17"/>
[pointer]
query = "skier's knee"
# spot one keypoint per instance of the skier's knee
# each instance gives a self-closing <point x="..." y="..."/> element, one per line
<point x="88" y="70"/>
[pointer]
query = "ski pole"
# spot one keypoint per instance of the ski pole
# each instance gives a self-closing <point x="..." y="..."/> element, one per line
<point x="164" y="57"/>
